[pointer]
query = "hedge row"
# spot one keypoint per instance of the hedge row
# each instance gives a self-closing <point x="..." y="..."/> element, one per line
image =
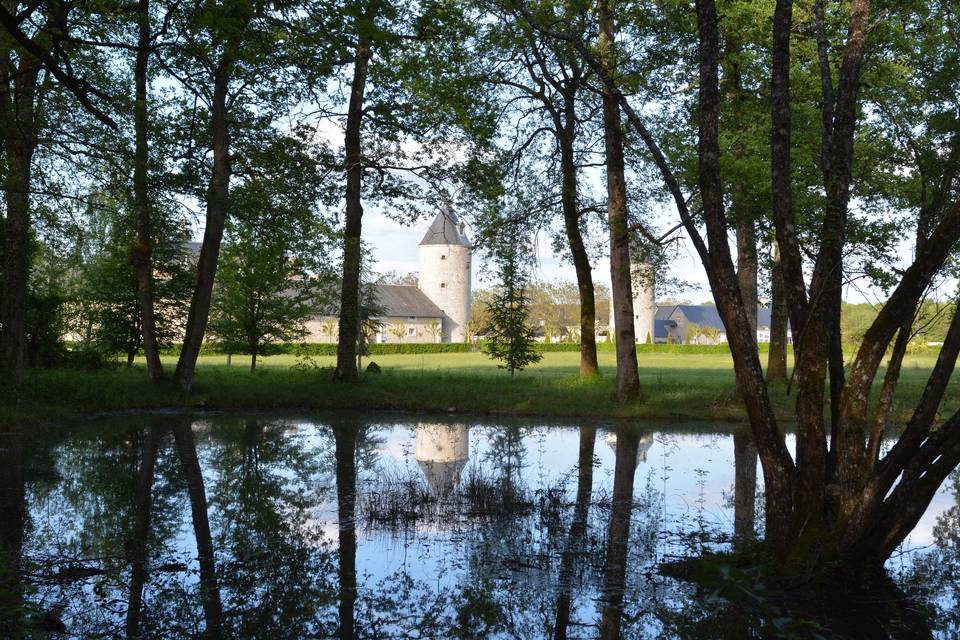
<point x="327" y="349"/>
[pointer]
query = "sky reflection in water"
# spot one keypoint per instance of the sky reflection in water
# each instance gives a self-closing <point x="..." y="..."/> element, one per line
<point x="327" y="526"/>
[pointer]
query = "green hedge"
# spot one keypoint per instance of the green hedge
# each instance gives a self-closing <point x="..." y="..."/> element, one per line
<point x="328" y="349"/>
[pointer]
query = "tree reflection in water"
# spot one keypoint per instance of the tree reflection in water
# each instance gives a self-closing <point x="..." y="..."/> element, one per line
<point x="12" y="515"/>
<point x="165" y="527"/>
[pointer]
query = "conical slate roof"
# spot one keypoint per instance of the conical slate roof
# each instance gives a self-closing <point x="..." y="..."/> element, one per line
<point x="445" y="229"/>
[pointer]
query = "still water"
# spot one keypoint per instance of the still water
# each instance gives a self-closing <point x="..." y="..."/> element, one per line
<point x="333" y="526"/>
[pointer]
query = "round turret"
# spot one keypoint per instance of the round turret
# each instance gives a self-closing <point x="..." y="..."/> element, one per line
<point x="445" y="275"/>
<point x="644" y="307"/>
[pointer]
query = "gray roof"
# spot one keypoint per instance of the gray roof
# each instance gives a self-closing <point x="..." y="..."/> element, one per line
<point x="405" y="300"/>
<point x="706" y="315"/>
<point x="445" y="229"/>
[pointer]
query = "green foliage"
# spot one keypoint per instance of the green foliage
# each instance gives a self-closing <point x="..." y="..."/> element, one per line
<point x="104" y="308"/>
<point x="271" y="278"/>
<point x="509" y="336"/>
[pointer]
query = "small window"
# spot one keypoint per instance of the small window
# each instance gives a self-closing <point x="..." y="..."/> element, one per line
<point x="443" y="285"/>
<point x="411" y="331"/>
<point x="443" y="257"/>
<point x="411" y="317"/>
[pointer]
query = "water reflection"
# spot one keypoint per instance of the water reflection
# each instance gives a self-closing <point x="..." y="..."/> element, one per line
<point x="173" y="527"/>
<point x="442" y="450"/>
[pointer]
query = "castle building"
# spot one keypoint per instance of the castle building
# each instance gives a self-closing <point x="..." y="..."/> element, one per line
<point x="437" y="308"/>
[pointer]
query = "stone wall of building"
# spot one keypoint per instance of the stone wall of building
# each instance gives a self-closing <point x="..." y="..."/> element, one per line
<point x="445" y="276"/>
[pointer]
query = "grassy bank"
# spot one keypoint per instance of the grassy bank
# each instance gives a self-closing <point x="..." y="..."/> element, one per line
<point x="694" y="387"/>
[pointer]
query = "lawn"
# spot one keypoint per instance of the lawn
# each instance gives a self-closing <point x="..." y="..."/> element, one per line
<point x="674" y="386"/>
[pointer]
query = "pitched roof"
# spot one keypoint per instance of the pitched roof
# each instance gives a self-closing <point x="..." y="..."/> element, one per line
<point x="445" y="229"/>
<point x="405" y="300"/>
<point x="706" y="315"/>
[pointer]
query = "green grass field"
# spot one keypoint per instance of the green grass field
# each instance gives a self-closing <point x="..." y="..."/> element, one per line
<point x="674" y="386"/>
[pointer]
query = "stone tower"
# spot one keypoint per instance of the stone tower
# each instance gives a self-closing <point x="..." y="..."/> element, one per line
<point x="644" y="307"/>
<point x="445" y="273"/>
<point x="442" y="451"/>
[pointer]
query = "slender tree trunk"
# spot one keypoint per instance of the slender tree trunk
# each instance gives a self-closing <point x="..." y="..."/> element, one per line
<point x="621" y="295"/>
<point x="253" y="357"/>
<point x="571" y="222"/>
<point x="588" y="437"/>
<point x="141" y="253"/>
<point x="143" y="503"/>
<point x="217" y="193"/>
<point x="352" y="249"/>
<point x="345" y="438"/>
<point x="615" y="570"/>
<point x="209" y="586"/>
<point x="777" y="356"/>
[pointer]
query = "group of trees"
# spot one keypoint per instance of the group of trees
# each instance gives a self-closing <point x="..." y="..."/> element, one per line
<point x="802" y="142"/>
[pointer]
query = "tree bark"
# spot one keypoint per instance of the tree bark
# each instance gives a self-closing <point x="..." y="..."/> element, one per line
<point x="571" y="222"/>
<point x="141" y="253"/>
<point x="615" y="570"/>
<point x="253" y="357"/>
<point x="19" y="143"/>
<point x="217" y="194"/>
<point x="345" y="438"/>
<point x="621" y="295"/>
<point x="777" y="355"/>
<point x="352" y="250"/>
<point x="588" y="437"/>
<point x="209" y="586"/>
<point x="141" y="529"/>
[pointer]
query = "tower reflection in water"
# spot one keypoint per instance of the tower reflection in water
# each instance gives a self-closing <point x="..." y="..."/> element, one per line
<point x="442" y="451"/>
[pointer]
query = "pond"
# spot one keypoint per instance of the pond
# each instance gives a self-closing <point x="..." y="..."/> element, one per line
<point x="349" y="526"/>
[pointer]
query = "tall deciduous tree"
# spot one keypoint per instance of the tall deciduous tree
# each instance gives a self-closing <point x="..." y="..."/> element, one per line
<point x="838" y="499"/>
<point x="621" y="271"/>
<point x="34" y="46"/>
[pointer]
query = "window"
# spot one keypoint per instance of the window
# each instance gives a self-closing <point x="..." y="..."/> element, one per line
<point x="411" y="317"/>
<point x="443" y="285"/>
<point x="411" y="331"/>
<point x="443" y="257"/>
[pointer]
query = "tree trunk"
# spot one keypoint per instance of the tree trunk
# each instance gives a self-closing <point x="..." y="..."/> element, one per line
<point x="777" y="356"/>
<point x="345" y="438"/>
<point x="209" y="587"/>
<point x="621" y="294"/>
<point x="588" y="437"/>
<point x="141" y="530"/>
<point x="571" y="222"/>
<point x="253" y="357"/>
<point x="141" y="254"/>
<point x="352" y="249"/>
<point x="19" y="143"/>
<point x="217" y="193"/>
<point x="615" y="570"/>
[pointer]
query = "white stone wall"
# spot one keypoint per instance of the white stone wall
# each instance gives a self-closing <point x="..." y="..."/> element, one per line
<point x="319" y="330"/>
<point x="445" y="278"/>
<point x="644" y="307"/>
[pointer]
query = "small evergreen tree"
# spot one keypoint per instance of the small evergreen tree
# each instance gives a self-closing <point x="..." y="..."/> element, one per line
<point x="508" y="330"/>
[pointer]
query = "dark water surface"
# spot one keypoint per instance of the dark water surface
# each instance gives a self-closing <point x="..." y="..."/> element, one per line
<point x="320" y="526"/>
